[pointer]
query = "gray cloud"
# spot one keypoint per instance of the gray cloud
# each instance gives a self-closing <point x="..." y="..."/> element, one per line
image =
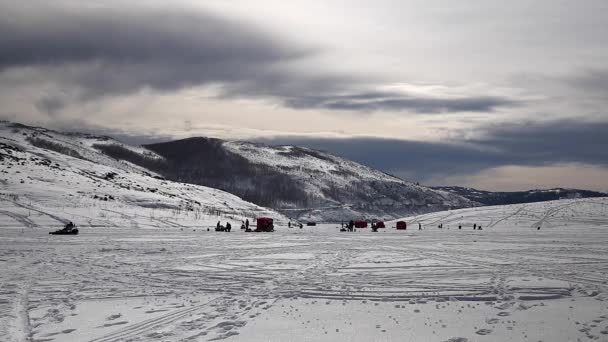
<point x="134" y="35"/>
<point x="115" y="51"/>
<point x="119" y="50"/>
<point x="50" y="105"/>
<point x="374" y="101"/>
<point x="590" y="80"/>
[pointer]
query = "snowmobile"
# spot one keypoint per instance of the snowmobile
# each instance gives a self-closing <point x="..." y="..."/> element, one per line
<point x="69" y="229"/>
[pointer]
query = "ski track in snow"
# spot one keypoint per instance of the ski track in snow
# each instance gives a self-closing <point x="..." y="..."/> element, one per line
<point x="509" y="281"/>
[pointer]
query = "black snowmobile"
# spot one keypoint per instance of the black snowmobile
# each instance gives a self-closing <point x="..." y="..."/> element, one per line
<point x="69" y="229"/>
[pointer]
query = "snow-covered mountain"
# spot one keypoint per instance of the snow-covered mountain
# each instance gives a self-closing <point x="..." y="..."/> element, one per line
<point x="49" y="178"/>
<point x="514" y="197"/>
<point x="303" y="183"/>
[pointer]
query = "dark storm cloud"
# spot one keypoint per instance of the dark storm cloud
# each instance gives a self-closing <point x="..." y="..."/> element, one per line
<point x="551" y="142"/>
<point x="524" y="144"/>
<point x="105" y="51"/>
<point x="131" y="48"/>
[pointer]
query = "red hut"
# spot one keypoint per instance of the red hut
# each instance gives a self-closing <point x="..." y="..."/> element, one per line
<point x="264" y="224"/>
<point x="380" y="224"/>
<point x="360" y="224"/>
<point x="401" y="225"/>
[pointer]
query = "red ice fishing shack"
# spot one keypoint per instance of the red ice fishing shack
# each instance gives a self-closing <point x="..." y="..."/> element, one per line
<point x="401" y="225"/>
<point x="361" y="224"/>
<point x="264" y="224"/>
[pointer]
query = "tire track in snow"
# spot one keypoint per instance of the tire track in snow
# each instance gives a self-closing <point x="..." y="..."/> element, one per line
<point x="141" y="328"/>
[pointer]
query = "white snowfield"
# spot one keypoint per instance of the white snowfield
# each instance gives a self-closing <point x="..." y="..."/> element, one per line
<point x="158" y="282"/>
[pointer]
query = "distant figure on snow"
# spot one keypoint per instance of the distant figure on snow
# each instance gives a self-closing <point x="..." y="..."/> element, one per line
<point x="218" y="225"/>
<point x="289" y="224"/>
<point x="538" y="228"/>
<point x="247" y="224"/>
<point x="228" y="226"/>
<point x="419" y="226"/>
<point x="459" y="226"/>
<point x="474" y="226"/>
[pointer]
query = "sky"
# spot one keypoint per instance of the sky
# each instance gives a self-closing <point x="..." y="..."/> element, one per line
<point x="483" y="93"/>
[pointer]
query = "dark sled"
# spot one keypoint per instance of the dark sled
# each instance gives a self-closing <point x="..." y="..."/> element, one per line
<point x="65" y="232"/>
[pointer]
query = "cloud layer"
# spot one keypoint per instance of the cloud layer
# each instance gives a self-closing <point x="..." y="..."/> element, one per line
<point x="115" y="51"/>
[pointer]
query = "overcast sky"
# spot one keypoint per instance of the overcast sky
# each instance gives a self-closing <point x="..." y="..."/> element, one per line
<point x="486" y="93"/>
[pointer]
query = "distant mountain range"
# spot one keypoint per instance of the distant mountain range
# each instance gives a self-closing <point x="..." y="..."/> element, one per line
<point x="514" y="197"/>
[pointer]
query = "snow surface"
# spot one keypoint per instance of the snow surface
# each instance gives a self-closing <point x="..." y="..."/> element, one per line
<point x="157" y="281"/>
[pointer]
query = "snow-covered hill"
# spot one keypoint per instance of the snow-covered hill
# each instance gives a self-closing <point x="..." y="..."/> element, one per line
<point x="513" y="197"/>
<point x="549" y="215"/>
<point x="49" y="178"/>
<point x="302" y="183"/>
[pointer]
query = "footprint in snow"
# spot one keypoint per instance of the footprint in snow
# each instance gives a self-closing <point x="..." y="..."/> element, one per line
<point x="153" y="311"/>
<point x="483" y="332"/>
<point x="113" y="317"/>
<point x="115" y="323"/>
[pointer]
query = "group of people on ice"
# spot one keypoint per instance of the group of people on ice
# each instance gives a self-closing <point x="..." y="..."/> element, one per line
<point x="228" y="226"/>
<point x="220" y="228"/>
<point x="475" y="226"/>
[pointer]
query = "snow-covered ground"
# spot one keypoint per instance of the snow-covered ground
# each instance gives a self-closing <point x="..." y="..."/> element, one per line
<point x="159" y="282"/>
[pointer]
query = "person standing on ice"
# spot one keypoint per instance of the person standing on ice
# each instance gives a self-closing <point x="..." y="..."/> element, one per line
<point x="218" y="225"/>
<point x="247" y="224"/>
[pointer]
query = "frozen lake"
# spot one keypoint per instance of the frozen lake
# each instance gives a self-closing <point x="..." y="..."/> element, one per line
<point x="508" y="282"/>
